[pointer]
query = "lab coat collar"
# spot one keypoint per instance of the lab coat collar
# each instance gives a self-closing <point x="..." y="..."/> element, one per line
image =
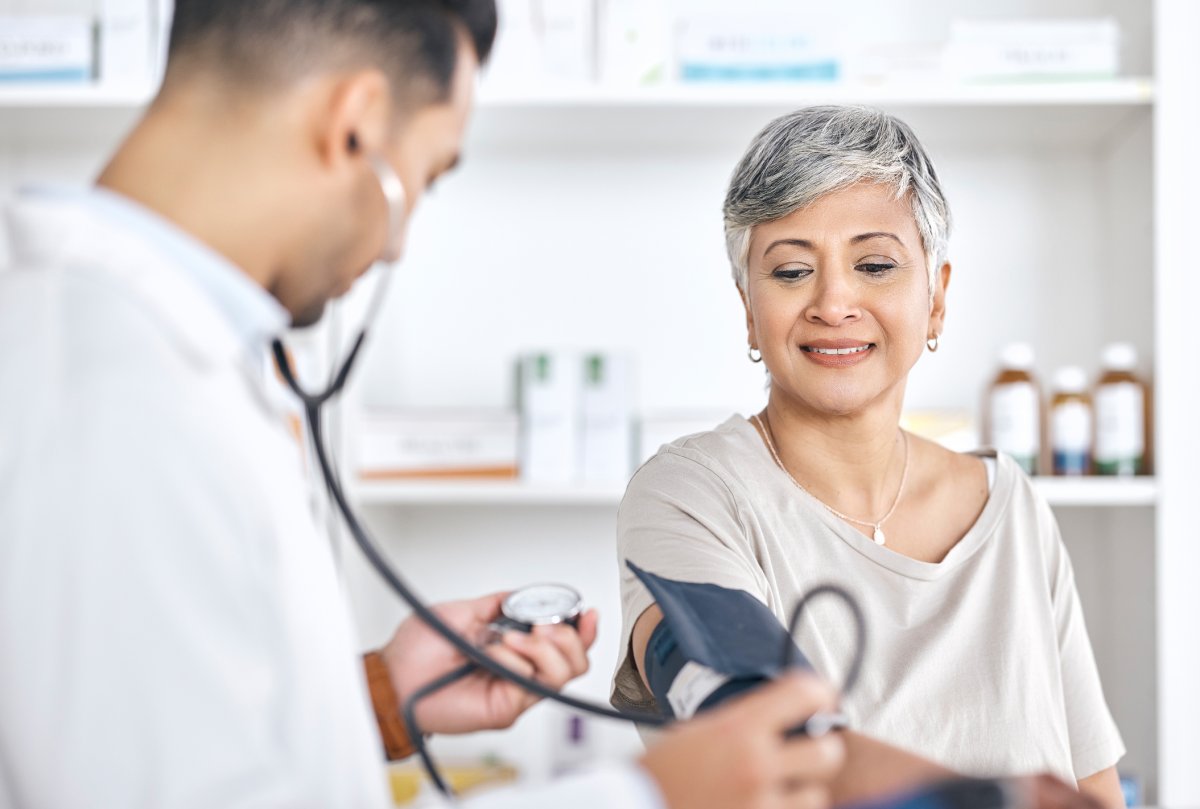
<point x="63" y="229"/>
<point x="254" y="313"/>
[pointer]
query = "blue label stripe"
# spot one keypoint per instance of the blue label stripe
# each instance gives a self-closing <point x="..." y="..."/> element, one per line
<point x="66" y="74"/>
<point x="813" y="71"/>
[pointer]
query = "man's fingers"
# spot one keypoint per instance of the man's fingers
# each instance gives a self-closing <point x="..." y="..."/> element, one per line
<point x="487" y="607"/>
<point x="788" y="701"/>
<point x="507" y="657"/>
<point x="570" y="644"/>
<point x="814" y="760"/>
<point x="552" y="668"/>
<point x="588" y="625"/>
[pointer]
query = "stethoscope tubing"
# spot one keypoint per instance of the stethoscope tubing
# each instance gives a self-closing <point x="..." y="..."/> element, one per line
<point x="474" y="654"/>
<point x="477" y="657"/>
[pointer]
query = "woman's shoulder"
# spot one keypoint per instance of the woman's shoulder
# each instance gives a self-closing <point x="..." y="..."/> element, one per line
<point x="952" y="485"/>
<point x="942" y="469"/>
<point x="1005" y="494"/>
<point x="707" y="463"/>
<point x="720" y="450"/>
<point x="983" y="472"/>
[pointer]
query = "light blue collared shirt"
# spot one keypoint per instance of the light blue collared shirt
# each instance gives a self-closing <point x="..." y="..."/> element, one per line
<point x="254" y="314"/>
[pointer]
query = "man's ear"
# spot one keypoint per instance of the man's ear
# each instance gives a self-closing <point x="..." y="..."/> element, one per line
<point x="937" y="312"/>
<point x="354" y="116"/>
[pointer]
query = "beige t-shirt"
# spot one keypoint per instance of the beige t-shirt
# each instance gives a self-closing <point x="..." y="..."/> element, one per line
<point x="980" y="662"/>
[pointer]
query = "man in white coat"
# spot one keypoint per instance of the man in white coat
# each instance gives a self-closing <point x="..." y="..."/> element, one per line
<point x="171" y="628"/>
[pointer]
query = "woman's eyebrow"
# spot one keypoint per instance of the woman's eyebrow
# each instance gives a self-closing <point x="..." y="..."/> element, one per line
<point x="862" y="237"/>
<point x="805" y="243"/>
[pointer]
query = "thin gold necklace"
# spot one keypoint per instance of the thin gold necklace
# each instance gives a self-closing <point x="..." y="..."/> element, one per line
<point x="878" y="535"/>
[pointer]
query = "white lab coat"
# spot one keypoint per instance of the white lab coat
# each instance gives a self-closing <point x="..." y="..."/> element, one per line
<point x="172" y="632"/>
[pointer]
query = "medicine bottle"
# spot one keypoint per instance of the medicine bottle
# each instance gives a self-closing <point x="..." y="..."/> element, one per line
<point x="1120" y="414"/>
<point x="1071" y="422"/>
<point x="575" y="751"/>
<point x="1014" y="412"/>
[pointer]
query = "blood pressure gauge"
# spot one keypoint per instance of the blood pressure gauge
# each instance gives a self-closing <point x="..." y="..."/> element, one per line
<point x="539" y="605"/>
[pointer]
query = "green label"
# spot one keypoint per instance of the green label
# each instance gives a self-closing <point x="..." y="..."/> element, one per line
<point x="595" y="369"/>
<point x="1121" y="466"/>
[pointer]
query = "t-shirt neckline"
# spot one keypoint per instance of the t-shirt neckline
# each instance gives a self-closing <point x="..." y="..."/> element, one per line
<point x="979" y="532"/>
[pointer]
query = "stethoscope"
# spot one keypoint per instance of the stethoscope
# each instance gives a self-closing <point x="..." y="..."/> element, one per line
<point x="477" y="657"/>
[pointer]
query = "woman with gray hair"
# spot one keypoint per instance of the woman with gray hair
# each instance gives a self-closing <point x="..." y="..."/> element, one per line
<point x="979" y="660"/>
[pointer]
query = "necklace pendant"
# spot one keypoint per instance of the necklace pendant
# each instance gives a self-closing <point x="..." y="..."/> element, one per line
<point x="878" y="536"/>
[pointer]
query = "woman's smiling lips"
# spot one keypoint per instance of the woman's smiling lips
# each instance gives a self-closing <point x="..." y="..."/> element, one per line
<point x="837" y="353"/>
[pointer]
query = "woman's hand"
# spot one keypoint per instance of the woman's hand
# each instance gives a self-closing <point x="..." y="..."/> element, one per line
<point x="416" y="655"/>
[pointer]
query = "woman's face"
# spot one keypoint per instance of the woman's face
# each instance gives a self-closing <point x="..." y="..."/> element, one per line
<point x="837" y="300"/>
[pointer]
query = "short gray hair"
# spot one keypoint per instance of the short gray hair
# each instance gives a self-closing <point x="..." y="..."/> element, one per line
<point x="804" y="155"/>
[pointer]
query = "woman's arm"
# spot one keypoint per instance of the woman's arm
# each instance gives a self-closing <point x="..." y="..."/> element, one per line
<point x="872" y="767"/>
<point x="1090" y="725"/>
<point x="1104" y="786"/>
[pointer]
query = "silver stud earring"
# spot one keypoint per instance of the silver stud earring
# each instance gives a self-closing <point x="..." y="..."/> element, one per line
<point x="932" y="344"/>
<point x="751" y="351"/>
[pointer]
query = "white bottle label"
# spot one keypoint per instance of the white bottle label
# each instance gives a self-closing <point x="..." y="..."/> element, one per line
<point x="1072" y="428"/>
<point x="1120" y="422"/>
<point x="1015" y="419"/>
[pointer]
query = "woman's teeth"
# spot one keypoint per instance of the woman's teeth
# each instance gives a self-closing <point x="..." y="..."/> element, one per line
<point x="857" y="350"/>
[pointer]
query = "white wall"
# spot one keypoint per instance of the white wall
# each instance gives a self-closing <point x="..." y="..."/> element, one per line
<point x="603" y="229"/>
<point x="562" y="243"/>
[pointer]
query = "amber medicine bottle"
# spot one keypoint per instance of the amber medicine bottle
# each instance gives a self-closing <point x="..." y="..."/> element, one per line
<point x="1120" y="414"/>
<point x="1071" y="422"/>
<point x="1014" y="412"/>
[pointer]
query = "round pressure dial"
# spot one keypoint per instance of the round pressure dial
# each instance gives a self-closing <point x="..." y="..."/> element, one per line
<point x="540" y="604"/>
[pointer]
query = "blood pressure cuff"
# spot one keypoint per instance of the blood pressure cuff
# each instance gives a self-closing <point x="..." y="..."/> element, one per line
<point x="958" y="793"/>
<point x="711" y="644"/>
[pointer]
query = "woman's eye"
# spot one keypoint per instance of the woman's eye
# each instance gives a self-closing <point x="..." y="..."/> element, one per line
<point x="790" y="273"/>
<point x="875" y="268"/>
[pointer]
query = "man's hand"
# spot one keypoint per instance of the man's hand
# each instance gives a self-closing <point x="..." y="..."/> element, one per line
<point x="416" y="655"/>
<point x="737" y="757"/>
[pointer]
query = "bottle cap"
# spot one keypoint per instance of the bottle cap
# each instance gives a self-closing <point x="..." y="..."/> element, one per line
<point x="1119" y="357"/>
<point x="1017" y="356"/>
<point x="1071" y="379"/>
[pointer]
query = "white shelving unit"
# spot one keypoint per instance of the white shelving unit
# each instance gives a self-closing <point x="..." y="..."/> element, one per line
<point x="379" y="493"/>
<point x="590" y="217"/>
<point x="1060" y="492"/>
<point x="31" y="97"/>
<point x="1114" y="92"/>
<point x="1098" y="492"/>
<point x="1117" y="93"/>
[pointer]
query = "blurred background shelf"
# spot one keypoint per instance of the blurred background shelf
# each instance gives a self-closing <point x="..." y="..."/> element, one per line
<point x="459" y="493"/>
<point x="1033" y="114"/>
<point x="68" y="96"/>
<point x="1066" y="492"/>
<point x="1088" y="112"/>
<point x="1126" y="91"/>
<point x="1098" y="492"/>
<point x="1136" y="90"/>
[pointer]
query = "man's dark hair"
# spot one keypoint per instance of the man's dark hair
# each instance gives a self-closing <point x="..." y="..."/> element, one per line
<point x="263" y="44"/>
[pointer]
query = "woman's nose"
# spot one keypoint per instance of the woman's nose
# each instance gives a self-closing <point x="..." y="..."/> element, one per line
<point x="835" y="301"/>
